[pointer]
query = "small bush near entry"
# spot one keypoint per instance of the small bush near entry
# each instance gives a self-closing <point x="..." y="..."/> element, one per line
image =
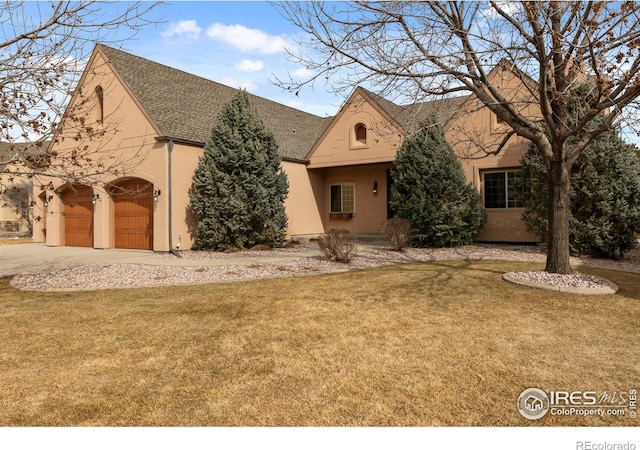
<point x="398" y="232"/>
<point x="338" y="245"/>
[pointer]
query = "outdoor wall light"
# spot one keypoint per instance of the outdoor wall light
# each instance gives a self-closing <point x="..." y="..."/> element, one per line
<point x="95" y="198"/>
<point x="156" y="194"/>
<point x="46" y="200"/>
<point x="375" y="187"/>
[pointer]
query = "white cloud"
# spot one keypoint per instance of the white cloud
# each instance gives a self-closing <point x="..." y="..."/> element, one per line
<point x="302" y="72"/>
<point x="508" y="7"/>
<point x="185" y="28"/>
<point x="248" y="65"/>
<point x="247" y="39"/>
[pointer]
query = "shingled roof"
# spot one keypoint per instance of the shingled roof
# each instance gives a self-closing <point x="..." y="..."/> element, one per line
<point x="410" y="117"/>
<point x="185" y="106"/>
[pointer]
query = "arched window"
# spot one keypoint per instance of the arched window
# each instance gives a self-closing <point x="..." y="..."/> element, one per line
<point x="361" y="133"/>
<point x="99" y="104"/>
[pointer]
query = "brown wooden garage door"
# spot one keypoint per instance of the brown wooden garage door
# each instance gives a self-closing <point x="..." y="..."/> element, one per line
<point x="78" y="217"/>
<point x="133" y="204"/>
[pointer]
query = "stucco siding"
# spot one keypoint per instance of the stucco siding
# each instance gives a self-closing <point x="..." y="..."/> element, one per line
<point x="184" y="161"/>
<point x="370" y="208"/>
<point x="301" y="205"/>
<point x="505" y="226"/>
<point x="339" y="146"/>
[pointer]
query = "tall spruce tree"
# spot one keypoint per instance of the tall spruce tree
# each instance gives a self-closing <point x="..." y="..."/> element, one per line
<point x="239" y="187"/>
<point x="605" y="197"/>
<point x="430" y="190"/>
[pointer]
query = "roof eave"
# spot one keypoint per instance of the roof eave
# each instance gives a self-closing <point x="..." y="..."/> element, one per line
<point x="294" y="160"/>
<point x="177" y="140"/>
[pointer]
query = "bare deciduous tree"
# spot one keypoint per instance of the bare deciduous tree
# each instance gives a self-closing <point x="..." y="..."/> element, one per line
<point x="43" y="49"/>
<point x="426" y="49"/>
<point x="17" y="197"/>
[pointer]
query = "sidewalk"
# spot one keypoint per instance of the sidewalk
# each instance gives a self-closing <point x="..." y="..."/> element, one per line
<point x="21" y="258"/>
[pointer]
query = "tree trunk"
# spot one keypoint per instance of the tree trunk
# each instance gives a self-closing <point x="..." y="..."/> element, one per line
<point x="559" y="207"/>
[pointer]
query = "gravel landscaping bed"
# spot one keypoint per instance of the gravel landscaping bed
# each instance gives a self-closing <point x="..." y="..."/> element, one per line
<point x="106" y="276"/>
<point x="553" y="279"/>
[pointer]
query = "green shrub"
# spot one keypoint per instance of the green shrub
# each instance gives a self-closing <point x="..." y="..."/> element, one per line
<point x="239" y="187"/>
<point x="605" y="197"/>
<point x="430" y="190"/>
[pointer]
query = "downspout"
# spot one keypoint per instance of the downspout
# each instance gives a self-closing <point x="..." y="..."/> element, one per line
<point x="170" y="202"/>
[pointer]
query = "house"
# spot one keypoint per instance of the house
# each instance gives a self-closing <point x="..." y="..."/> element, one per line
<point x="15" y="188"/>
<point x="156" y="119"/>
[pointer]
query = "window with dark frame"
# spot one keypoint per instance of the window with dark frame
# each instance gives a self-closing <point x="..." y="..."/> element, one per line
<point x="342" y="198"/>
<point x="503" y="189"/>
<point x="515" y="189"/>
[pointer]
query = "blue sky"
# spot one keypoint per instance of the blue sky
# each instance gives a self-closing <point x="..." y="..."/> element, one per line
<point x="237" y="43"/>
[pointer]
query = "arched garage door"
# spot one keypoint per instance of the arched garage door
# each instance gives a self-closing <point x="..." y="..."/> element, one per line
<point x="133" y="204"/>
<point x="78" y="216"/>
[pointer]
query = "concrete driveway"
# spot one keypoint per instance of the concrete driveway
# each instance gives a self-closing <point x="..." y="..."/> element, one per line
<point x="21" y="258"/>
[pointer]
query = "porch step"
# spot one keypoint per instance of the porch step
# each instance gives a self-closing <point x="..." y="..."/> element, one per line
<point x="365" y="239"/>
<point x="372" y="239"/>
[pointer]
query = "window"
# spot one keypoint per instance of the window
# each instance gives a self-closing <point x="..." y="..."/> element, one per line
<point x="361" y="133"/>
<point x="503" y="189"/>
<point x="100" y="104"/>
<point x="343" y="198"/>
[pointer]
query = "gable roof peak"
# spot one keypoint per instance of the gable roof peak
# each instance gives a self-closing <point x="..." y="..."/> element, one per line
<point x="410" y="116"/>
<point x="186" y="106"/>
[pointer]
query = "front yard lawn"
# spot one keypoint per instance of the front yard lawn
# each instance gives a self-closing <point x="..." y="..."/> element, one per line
<point x="434" y="344"/>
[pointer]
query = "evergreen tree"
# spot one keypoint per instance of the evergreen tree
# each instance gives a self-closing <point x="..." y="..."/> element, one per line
<point x="239" y="187"/>
<point x="430" y="190"/>
<point x="605" y="197"/>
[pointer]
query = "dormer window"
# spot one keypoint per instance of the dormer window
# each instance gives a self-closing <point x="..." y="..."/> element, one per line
<point x="99" y="104"/>
<point x="361" y="133"/>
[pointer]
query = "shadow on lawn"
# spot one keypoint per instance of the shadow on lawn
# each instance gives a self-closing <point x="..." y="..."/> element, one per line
<point x="628" y="282"/>
<point x="467" y="276"/>
<point x="436" y="279"/>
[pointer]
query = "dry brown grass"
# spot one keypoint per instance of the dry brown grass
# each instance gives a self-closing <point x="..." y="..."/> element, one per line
<point x="446" y="343"/>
